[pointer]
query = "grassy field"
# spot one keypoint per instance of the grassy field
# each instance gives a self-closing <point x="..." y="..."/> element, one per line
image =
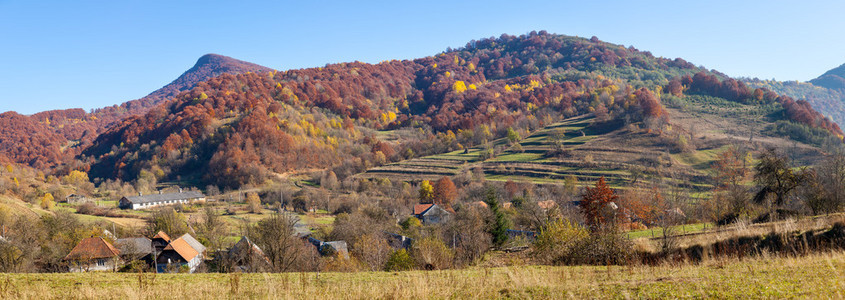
<point x="814" y="276"/>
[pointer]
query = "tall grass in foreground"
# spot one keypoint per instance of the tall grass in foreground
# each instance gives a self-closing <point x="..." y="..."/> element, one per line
<point x="816" y="275"/>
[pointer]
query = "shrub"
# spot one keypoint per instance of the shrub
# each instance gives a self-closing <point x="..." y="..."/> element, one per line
<point x="432" y="254"/>
<point x="603" y="249"/>
<point x="556" y="240"/>
<point x="410" y="222"/>
<point x="399" y="261"/>
<point x="88" y="208"/>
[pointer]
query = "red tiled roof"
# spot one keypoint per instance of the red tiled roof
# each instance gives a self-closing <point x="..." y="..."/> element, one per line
<point x="92" y="248"/>
<point x="421" y="208"/>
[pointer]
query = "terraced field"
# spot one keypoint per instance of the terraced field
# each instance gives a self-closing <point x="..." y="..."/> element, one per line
<point x="590" y="150"/>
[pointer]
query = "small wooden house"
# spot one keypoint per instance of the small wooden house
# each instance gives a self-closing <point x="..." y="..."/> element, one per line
<point x="93" y="254"/>
<point x="431" y="213"/>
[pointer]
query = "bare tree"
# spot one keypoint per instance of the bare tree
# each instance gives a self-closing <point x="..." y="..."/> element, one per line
<point x="275" y="236"/>
<point x="212" y="228"/>
<point x="372" y="250"/>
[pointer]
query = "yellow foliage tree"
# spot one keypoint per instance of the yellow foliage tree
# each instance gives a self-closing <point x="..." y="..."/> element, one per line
<point x="47" y="202"/>
<point x="253" y="202"/>
<point x="459" y="87"/>
<point x="76" y="178"/>
<point x="426" y="192"/>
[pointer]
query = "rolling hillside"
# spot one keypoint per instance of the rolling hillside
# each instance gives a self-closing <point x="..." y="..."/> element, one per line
<point x="238" y="129"/>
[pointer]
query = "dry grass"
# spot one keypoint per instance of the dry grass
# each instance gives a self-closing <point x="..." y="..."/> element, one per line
<point x="818" y="275"/>
<point x="744" y="229"/>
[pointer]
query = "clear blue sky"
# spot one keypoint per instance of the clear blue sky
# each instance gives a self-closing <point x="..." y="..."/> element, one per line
<point x="65" y="54"/>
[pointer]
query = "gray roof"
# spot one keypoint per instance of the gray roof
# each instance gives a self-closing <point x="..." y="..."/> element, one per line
<point x="165" y="197"/>
<point x="136" y="245"/>
<point x="193" y="242"/>
<point x="245" y="244"/>
<point x="339" y="247"/>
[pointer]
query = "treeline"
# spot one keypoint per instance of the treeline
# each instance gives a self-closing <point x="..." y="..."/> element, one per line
<point x="800" y="111"/>
<point x="825" y="100"/>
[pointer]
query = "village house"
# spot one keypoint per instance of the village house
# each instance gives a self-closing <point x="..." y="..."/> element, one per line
<point x="149" y="201"/>
<point x="182" y="254"/>
<point x="338" y="248"/>
<point x="93" y="254"/>
<point x="398" y="241"/>
<point x="245" y="256"/>
<point x="431" y="213"/>
<point x="135" y="248"/>
<point x="160" y="240"/>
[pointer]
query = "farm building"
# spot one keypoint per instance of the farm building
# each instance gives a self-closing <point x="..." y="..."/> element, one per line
<point x="149" y="201"/>
<point x="93" y="254"/>
<point x="77" y="199"/>
<point x="184" y="252"/>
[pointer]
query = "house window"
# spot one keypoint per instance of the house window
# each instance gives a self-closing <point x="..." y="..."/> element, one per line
<point x="101" y="262"/>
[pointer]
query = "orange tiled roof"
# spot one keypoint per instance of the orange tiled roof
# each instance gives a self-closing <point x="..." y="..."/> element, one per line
<point x="183" y="248"/>
<point x="546" y="204"/>
<point x="421" y="208"/>
<point x="162" y="235"/>
<point x="92" y="248"/>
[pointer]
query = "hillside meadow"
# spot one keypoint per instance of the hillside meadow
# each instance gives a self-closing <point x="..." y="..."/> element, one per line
<point x="814" y="276"/>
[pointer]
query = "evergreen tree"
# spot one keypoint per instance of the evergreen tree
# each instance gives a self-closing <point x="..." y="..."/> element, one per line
<point x="498" y="227"/>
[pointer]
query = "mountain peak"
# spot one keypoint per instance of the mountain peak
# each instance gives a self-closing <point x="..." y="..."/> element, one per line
<point x="217" y="60"/>
<point x="207" y="66"/>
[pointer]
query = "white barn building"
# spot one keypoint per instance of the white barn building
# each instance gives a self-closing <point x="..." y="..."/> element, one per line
<point x="149" y="201"/>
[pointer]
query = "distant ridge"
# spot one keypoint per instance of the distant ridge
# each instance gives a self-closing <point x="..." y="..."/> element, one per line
<point x="832" y="79"/>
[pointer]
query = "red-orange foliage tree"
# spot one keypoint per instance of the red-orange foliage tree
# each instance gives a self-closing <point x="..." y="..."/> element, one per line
<point x="445" y="192"/>
<point x="642" y="205"/>
<point x="596" y="204"/>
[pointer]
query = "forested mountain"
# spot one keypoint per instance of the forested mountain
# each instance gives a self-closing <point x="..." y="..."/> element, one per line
<point x="238" y="129"/>
<point x="48" y="138"/>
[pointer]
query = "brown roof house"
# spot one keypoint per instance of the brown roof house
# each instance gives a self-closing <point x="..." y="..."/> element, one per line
<point x="93" y="254"/>
<point x="431" y="213"/>
<point x="182" y="255"/>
